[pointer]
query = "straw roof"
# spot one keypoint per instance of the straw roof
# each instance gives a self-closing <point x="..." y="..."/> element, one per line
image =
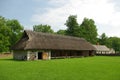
<point x="43" y="41"/>
<point x="101" y="48"/>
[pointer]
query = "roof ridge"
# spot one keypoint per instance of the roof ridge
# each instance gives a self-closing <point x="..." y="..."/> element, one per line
<point x="57" y="35"/>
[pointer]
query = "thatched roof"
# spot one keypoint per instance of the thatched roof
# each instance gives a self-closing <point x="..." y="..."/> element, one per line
<point x="44" y="41"/>
<point x="101" y="48"/>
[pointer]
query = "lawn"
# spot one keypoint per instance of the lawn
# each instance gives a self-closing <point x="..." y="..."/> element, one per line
<point x="89" y="68"/>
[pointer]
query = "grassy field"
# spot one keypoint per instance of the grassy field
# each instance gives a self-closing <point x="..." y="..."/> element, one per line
<point x="89" y="68"/>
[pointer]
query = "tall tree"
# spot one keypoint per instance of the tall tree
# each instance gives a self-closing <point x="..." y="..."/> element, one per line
<point x="10" y="32"/>
<point x="88" y="30"/>
<point x="16" y="30"/>
<point x="72" y="26"/>
<point x="43" y="28"/>
<point x="103" y="39"/>
<point x="4" y="38"/>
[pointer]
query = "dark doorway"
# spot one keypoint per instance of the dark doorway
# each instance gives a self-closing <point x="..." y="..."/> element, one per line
<point x="39" y="55"/>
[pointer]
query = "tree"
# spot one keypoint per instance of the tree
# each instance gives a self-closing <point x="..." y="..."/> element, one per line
<point x="88" y="30"/>
<point x="4" y="43"/>
<point x="10" y="32"/>
<point x="103" y="39"/>
<point x="4" y="38"/>
<point x="43" y="28"/>
<point x="114" y="42"/>
<point x="61" y="32"/>
<point x="72" y="26"/>
<point x="16" y="30"/>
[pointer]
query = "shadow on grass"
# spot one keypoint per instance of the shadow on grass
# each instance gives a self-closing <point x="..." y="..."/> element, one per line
<point x="10" y="59"/>
<point x="107" y="56"/>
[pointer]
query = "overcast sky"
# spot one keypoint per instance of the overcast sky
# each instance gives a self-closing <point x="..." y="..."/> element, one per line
<point x="105" y="13"/>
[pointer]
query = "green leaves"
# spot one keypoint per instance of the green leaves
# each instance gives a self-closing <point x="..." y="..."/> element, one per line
<point x="10" y="32"/>
<point x="88" y="30"/>
<point x="4" y="43"/>
<point x="72" y="26"/>
<point x="103" y="39"/>
<point x="4" y="35"/>
<point x="85" y="30"/>
<point x="61" y="32"/>
<point x="16" y="30"/>
<point x="114" y="42"/>
<point x="43" y="28"/>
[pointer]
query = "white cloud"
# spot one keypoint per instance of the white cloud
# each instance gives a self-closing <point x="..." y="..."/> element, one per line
<point x="58" y="3"/>
<point x="102" y="11"/>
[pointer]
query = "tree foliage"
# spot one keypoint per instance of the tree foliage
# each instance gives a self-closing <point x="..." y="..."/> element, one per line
<point x="16" y="30"/>
<point x="43" y="28"/>
<point x="10" y="32"/>
<point x="4" y="38"/>
<point x="114" y="42"/>
<point x="88" y="30"/>
<point x="72" y="26"/>
<point x="61" y="32"/>
<point x="103" y="39"/>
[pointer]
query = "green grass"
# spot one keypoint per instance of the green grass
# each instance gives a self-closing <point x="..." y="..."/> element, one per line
<point x="89" y="68"/>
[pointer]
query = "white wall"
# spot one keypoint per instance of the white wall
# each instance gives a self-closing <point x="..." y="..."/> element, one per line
<point x="32" y="55"/>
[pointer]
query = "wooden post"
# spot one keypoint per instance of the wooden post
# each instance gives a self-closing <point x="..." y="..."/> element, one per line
<point x="49" y="55"/>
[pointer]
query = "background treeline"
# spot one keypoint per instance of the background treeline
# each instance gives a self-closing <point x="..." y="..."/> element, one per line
<point x="11" y="31"/>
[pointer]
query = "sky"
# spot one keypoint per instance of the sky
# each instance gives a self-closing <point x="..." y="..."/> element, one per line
<point x="105" y="13"/>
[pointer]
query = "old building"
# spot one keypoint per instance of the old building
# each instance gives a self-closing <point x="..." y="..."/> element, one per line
<point x="102" y="49"/>
<point x="36" y="45"/>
